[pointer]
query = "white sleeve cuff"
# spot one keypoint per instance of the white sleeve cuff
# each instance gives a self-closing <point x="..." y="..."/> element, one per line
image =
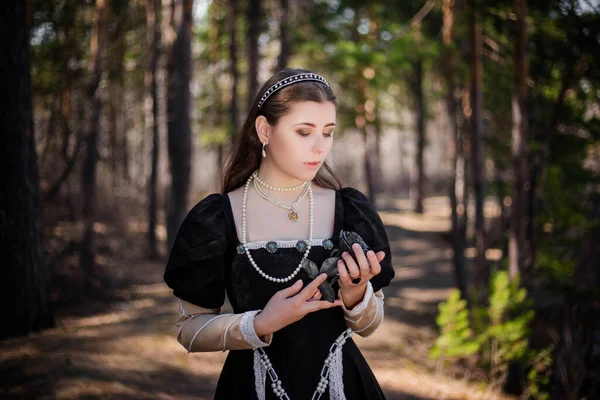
<point x="247" y="328"/>
<point x="377" y="311"/>
<point x="360" y="307"/>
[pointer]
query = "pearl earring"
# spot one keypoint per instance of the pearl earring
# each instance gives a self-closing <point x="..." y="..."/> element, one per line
<point x="264" y="153"/>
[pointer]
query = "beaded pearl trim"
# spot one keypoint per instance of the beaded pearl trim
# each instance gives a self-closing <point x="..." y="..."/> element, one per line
<point x="279" y="189"/>
<point x="285" y="244"/>
<point x="331" y="373"/>
<point x="288" y="81"/>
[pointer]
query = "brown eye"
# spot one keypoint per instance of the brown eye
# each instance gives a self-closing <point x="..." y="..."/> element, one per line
<point x="304" y="133"/>
<point x="328" y="134"/>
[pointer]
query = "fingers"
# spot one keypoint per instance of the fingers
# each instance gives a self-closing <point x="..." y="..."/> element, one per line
<point x="343" y="271"/>
<point x="363" y="264"/>
<point x="353" y="269"/>
<point x="321" y="305"/>
<point x="317" y="296"/>
<point x="292" y="290"/>
<point x="374" y="261"/>
<point x="310" y="289"/>
<point x="348" y="269"/>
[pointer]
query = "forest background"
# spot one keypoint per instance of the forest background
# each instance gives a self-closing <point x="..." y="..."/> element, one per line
<point x="118" y="116"/>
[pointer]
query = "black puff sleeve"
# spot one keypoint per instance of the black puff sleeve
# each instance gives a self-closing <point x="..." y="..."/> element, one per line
<point x="361" y="217"/>
<point x="196" y="262"/>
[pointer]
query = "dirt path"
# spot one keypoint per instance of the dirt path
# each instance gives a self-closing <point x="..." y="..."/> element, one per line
<point x="128" y="349"/>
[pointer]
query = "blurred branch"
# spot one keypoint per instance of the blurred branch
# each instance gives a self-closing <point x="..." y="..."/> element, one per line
<point x="65" y="174"/>
<point x="422" y="13"/>
<point x="51" y="125"/>
<point x="417" y="18"/>
<point x="495" y="50"/>
<point x="494" y="57"/>
<point x="492" y="43"/>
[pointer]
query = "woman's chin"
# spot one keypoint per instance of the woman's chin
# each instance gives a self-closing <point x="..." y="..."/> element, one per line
<point x="308" y="175"/>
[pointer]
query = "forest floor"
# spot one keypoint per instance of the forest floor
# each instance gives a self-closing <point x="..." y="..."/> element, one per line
<point x="124" y="347"/>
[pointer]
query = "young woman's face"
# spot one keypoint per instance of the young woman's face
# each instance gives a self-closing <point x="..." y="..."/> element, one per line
<point x="302" y="139"/>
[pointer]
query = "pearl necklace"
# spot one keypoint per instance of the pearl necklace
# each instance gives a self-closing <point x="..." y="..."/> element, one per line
<point x="247" y="250"/>
<point x="285" y="189"/>
<point x="292" y="214"/>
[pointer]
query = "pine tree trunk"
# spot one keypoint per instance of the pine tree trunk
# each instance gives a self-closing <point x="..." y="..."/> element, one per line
<point x="233" y="67"/>
<point x="24" y="280"/>
<point x="284" y="37"/>
<point x="477" y="160"/>
<point x="178" y="109"/>
<point x="153" y="38"/>
<point x="366" y="123"/>
<point x="377" y="160"/>
<point x="253" y="17"/>
<point x="421" y="141"/>
<point x="371" y="162"/>
<point x="125" y="155"/>
<point x="368" y="101"/>
<point x="518" y="257"/>
<point x="115" y="100"/>
<point x="517" y="240"/>
<point x="459" y="200"/>
<point x="457" y="181"/>
<point x="88" y="175"/>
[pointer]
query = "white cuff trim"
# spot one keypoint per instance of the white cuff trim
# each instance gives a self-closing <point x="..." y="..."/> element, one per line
<point x="360" y="307"/>
<point x="247" y="328"/>
<point x="377" y="310"/>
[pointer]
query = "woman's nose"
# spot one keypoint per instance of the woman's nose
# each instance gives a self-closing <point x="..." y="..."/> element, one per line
<point x="319" y="146"/>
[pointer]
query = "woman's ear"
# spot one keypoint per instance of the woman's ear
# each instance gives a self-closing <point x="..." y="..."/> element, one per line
<point x="262" y="129"/>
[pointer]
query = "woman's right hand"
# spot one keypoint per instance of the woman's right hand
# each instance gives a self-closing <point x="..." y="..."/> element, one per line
<point x="290" y="305"/>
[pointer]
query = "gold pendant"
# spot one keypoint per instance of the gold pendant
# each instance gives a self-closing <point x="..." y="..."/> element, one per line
<point x="292" y="216"/>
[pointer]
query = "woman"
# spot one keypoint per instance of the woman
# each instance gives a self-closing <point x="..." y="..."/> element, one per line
<point x="261" y="241"/>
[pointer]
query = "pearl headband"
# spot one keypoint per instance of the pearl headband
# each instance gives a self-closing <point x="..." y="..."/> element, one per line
<point x="289" y="81"/>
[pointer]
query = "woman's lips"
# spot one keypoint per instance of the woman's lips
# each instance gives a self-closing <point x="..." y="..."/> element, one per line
<point x="313" y="164"/>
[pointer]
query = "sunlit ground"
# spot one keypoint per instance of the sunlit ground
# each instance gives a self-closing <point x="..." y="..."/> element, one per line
<point x="126" y="348"/>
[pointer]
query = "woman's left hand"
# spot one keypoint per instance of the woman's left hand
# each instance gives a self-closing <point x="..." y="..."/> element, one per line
<point x="367" y="267"/>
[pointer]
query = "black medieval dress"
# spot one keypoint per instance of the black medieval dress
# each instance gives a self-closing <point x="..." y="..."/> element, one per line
<point x="204" y="265"/>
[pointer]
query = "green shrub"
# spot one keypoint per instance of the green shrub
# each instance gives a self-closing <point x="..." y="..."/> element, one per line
<point x="497" y="334"/>
<point x="456" y="338"/>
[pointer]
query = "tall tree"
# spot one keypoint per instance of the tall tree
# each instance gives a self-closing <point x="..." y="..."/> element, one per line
<point x="517" y="240"/>
<point x="477" y="161"/>
<point x="117" y="131"/>
<point x="254" y="21"/>
<point x="457" y="181"/>
<point x="178" y="110"/>
<point x="65" y="56"/>
<point x="232" y="16"/>
<point x="88" y="172"/>
<point x="153" y="20"/>
<point x="284" y="34"/>
<point x="416" y="84"/>
<point x="420" y="51"/>
<point x="25" y="276"/>
<point x="368" y="117"/>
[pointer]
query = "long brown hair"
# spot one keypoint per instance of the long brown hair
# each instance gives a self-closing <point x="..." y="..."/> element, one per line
<point x="246" y="154"/>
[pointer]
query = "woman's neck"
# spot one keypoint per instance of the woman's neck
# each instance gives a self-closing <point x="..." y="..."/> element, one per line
<point x="275" y="177"/>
